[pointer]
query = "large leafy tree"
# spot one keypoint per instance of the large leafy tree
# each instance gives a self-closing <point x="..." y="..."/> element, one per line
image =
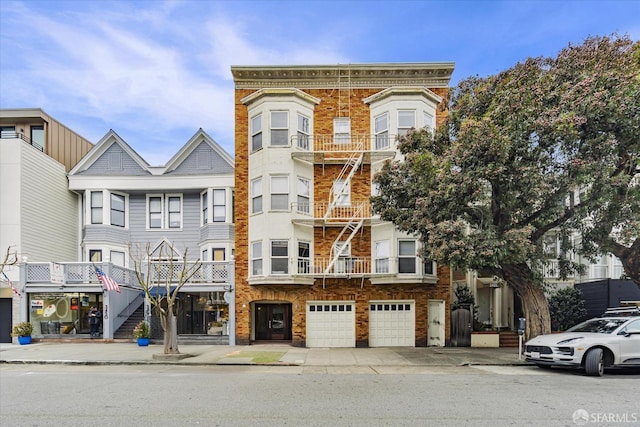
<point x="483" y="192"/>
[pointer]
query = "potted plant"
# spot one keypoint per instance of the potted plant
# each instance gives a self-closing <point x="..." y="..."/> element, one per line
<point x="23" y="331"/>
<point x="142" y="332"/>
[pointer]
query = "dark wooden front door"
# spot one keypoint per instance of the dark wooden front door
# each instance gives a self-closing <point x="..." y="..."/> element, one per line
<point x="273" y="322"/>
<point x="5" y="319"/>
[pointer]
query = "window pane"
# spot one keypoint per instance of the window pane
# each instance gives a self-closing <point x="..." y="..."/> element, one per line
<point x="280" y="248"/>
<point x="256" y="124"/>
<point x="95" y="255"/>
<point x="155" y="220"/>
<point x="174" y="204"/>
<point x="382" y="249"/>
<point x="256" y="267"/>
<point x="279" y="119"/>
<point x="381" y="123"/>
<point x="256" y="142"/>
<point x="303" y="187"/>
<point x="406" y="265"/>
<point x="280" y="266"/>
<point x="407" y="248"/>
<point x="96" y="199"/>
<point x="406" y="119"/>
<point x="219" y="213"/>
<point x="174" y="219"/>
<point x="280" y="202"/>
<point x="218" y="197"/>
<point x="117" y="218"/>
<point x="256" y="249"/>
<point x="279" y="137"/>
<point x="256" y="204"/>
<point x="155" y="204"/>
<point x="303" y="124"/>
<point x="117" y="202"/>
<point x="37" y="137"/>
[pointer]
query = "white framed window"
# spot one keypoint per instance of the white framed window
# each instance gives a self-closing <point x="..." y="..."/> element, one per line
<point x="256" y="133"/>
<point x="407" y="257"/>
<point x="303" y="132"/>
<point x="601" y="267"/>
<point x="381" y="131"/>
<point x="279" y="257"/>
<point x="154" y="207"/>
<point x="218" y="254"/>
<point x="219" y="205"/>
<point x="95" y="255"/>
<point x="256" y="258"/>
<point x="279" y="192"/>
<point x="164" y="211"/>
<point x="174" y="210"/>
<point x="118" y="212"/>
<point x="551" y="246"/>
<point x="429" y="121"/>
<point x="344" y="263"/>
<point x="204" y="206"/>
<point x="279" y="128"/>
<point x="429" y="267"/>
<point x="97" y="204"/>
<point x="256" y="195"/>
<point x="118" y="258"/>
<point x="342" y="192"/>
<point x="381" y="253"/>
<point x="341" y="130"/>
<point x="304" y="257"/>
<point x="406" y="121"/>
<point x="304" y="190"/>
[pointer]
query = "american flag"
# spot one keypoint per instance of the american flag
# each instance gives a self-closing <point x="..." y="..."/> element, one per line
<point x="108" y="283"/>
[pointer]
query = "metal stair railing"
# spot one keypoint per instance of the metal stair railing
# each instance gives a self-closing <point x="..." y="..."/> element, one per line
<point x="352" y="226"/>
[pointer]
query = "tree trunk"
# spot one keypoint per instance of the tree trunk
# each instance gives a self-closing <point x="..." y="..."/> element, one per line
<point x="171" y="335"/>
<point x="534" y="301"/>
<point x="630" y="258"/>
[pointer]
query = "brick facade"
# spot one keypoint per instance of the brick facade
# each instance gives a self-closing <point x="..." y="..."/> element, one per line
<point x="360" y="290"/>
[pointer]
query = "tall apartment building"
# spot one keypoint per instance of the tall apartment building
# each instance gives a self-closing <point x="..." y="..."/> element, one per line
<point x="314" y="266"/>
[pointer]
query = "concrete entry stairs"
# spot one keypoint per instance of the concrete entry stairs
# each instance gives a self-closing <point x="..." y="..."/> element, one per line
<point x="508" y="339"/>
<point x="126" y="330"/>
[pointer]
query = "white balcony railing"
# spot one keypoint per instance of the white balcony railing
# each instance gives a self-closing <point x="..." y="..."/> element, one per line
<point x="340" y="144"/>
<point x="358" y="210"/>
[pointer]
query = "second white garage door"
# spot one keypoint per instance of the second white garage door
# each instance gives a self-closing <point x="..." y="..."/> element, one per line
<point x="392" y="324"/>
<point x="331" y="324"/>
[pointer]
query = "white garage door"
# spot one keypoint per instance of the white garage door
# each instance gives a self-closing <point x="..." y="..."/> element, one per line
<point x="331" y="324"/>
<point x="392" y="324"/>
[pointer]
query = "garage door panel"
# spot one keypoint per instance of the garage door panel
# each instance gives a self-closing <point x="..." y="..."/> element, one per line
<point x="331" y="324"/>
<point x="392" y="324"/>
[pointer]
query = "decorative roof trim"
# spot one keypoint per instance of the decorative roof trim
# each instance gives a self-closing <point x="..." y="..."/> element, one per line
<point x="404" y="91"/>
<point x="279" y="92"/>
<point x="430" y="74"/>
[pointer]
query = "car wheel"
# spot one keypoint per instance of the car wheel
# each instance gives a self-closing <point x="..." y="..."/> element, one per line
<point x="594" y="363"/>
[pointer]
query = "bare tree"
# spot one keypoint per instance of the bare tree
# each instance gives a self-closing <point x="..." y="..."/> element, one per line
<point x="161" y="276"/>
<point x="10" y="258"/>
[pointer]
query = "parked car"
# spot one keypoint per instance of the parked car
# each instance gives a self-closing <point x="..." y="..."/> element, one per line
<point x="612" y="340"/>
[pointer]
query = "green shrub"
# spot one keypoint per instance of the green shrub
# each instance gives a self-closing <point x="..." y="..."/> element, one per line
<point x="566" y="308"/>
<point x="22" y="329"/>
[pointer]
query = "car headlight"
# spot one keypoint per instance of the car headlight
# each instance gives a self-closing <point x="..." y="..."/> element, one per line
<point x="571" y="340"/>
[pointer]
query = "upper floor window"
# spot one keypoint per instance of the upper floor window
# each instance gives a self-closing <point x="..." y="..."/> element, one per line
<point x="304" y="257"/>
<point x="95" y="255"/>
<point x="256" y="133"/>
<point x="381" y="129"/>
<point x="96" y="207"/>
<point x="256" y="195"/>
<point x="303" y="195"/>
<point x="429" y="121"/>
<point x="37" y="137"/>
<point x="406" y="121"/>
<point x="256" y="258"/>
<point x="205" y="255"/>
<point x="8" y="132"/>
<point x="303" y="132"/>
<point x="428" y="267"/>
<point x="219" y="205"/>
<point x="407" y="257"/>
<point x="279" y="257"/>
<point x="117" y="210"/>
<point x="341" y="130"/>
<point x="382" y="256"/>
<point x="204" y="203"/>
<point x="342" y="192"/>
<point x="279" y="128"/>
<point x="279" y="193"/>
<point x="155" y="212"/>
<point x="164" y="211"/>
<point x="117" y="258"/>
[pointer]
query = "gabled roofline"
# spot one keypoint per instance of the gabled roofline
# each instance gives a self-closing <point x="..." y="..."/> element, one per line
<point x="110" y="138"/>
<point x="188" y="148"/>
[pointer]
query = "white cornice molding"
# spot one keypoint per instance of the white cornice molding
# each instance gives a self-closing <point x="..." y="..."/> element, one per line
<point x="150" y="183"/>
<point x="430" y="74"/>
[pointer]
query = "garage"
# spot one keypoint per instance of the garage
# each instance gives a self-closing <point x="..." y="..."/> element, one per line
<point x="392" y="323"/>
<point x="331" y="324"/>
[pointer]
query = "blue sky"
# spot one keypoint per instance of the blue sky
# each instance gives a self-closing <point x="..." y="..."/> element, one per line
<point x="156" y="71"/>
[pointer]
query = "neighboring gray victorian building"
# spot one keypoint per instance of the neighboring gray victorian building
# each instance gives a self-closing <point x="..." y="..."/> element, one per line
<point x="125" y="205"/>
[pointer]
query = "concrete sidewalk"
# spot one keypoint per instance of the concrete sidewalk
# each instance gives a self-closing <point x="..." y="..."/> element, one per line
<point x="101" y="353"/>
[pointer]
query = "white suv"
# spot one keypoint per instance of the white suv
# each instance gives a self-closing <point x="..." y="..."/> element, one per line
<point x="612" y="340"/>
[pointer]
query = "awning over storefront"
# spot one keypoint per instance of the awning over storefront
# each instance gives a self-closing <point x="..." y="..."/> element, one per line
<point x="159" y="291"/>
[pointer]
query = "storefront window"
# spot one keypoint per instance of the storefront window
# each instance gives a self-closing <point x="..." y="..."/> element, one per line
<point x="203" y="313"/>
<point x="62" y="313"/>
